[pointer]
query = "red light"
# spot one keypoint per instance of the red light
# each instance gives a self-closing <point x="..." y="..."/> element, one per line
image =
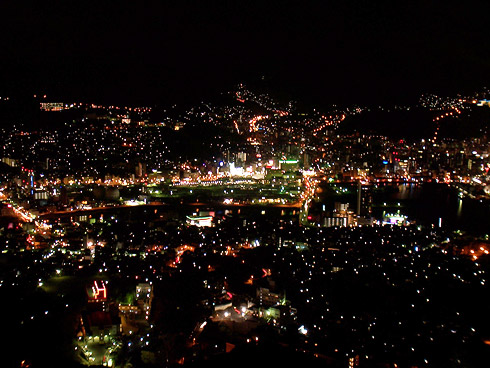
<point x="98" y="290"/>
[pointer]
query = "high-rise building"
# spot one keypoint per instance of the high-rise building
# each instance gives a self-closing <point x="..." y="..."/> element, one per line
<point x="144" y="297"/>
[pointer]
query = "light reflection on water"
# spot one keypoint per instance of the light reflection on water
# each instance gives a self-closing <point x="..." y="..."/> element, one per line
<point x="460" y="207"/>
<point x="426" y="203"/>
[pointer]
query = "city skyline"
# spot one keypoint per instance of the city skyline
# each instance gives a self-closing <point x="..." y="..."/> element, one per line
<point x="227" y="184"/>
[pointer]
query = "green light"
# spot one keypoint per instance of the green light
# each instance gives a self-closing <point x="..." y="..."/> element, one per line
<point x="200" y="218"/>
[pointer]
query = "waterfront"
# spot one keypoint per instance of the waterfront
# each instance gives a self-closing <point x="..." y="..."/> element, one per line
<point x="423" y="203"/>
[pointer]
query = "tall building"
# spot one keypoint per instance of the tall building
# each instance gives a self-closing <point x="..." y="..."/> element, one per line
<point x="144" y="297"/>
<point x="364" y="201"/>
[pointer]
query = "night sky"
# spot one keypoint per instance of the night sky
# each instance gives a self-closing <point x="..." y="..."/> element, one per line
<point x="172" y="51"/>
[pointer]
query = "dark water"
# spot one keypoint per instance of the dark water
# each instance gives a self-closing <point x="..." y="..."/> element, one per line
<point x="426" y="203"/>
<point x="178" y="212"/>
<point x="423" y="203"/>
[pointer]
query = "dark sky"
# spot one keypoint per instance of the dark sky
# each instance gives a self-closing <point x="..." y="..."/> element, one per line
<point x="156" y="52"/>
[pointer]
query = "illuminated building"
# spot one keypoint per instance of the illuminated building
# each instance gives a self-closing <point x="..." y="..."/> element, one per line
<point x="236" y="171"/>
<point x="289" y="165"/>
<point x="268" y="298"/>
<point x="483" y="102"/>
<point x="364" y="201"/>
<point x="200" y="221"/>
<point x="395" y="219"/>
<point x="52" y="106"/>
<point x="144" y="297"/>
<point x="9" y="161"/>
<point x="97" y="294"/>
<point x="341" y="216"/>
<point x="334" y="221"/>
<point x="41" y="194"/>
